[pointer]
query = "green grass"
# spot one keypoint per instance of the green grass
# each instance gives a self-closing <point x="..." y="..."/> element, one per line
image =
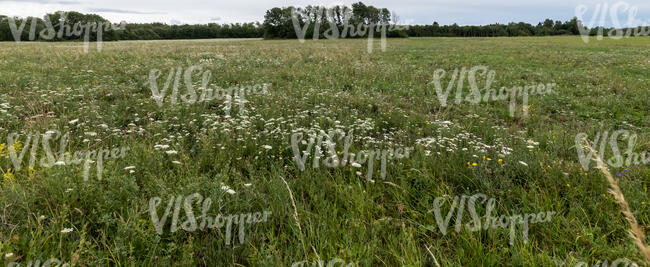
<point x="601" y="85"/>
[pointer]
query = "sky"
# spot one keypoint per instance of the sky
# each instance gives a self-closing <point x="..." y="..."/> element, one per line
<point x="463" y="12"/>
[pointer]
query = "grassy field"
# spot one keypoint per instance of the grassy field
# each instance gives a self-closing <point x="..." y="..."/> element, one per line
<point x="241" y="158"/>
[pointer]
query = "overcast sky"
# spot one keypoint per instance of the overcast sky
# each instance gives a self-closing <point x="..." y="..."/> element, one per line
<point x="463" y="12"/>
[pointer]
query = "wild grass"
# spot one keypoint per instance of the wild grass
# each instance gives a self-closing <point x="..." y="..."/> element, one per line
<point x="385" y="97"/>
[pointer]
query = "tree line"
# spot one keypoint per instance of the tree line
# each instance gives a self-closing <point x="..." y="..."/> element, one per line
<point x="74" y="25"/>
<point x="359" y="20"/>
<point x="340" y="21"/>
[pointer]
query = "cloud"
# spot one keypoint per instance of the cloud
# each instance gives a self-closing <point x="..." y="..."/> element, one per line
<point x="121" y="11"/>
<point x="64" y="2"/>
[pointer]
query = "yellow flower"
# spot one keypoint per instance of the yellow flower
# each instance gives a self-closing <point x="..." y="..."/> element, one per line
<point x="568" y="185"/>
<point x="2" y="148"/>
<point x="8" y="176"/>
<point x="17" y="146"/>
<point x="500" y="160"/>
<point x="474" y="164"/>
<point x="483" y="157"/>
<point x="489" y="159"/>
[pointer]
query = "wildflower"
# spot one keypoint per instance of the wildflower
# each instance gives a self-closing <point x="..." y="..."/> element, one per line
<point x="523" y="163"/>
<point x="130" y="168"/>
<point x="500" y="160"/>
<point x="474" y="164"/>
<point x="619" y="174"/>
<point x="160" y="147"/>
<point x="489" y="159"/>
<point x="356" y="165"/>
<point x="67" y="230"/>
<point x="267" y="147"/>
<point x="227" y="189"/>
<point x="176" y="162"/>
<point x="171" y="152"/>
<point x="17" y="146"/>
<point x="247" y="185"/>
<point x="8" y="176"/>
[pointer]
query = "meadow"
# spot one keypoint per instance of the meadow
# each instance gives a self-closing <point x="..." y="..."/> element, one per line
<point x="239" y="152"/>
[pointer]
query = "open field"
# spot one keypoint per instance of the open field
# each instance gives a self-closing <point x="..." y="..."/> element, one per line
<point x="238" y="157"/>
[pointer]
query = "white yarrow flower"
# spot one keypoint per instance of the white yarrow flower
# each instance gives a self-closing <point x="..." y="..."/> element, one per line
<point x="523" y="163"/>
<point x="228" y="190"/>
<point x="67" y="230"/>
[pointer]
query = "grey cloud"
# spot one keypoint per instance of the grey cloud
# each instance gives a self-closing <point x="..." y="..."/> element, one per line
<point x="64" y="2"/>
<point x="121" y="11"/>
